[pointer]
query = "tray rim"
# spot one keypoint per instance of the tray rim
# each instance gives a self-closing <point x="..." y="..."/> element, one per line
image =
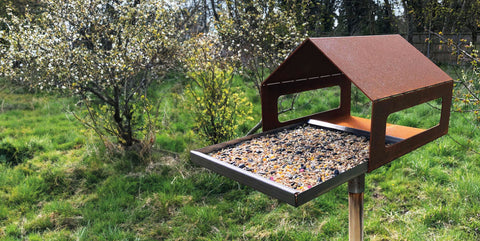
<point x="272" y="188"/>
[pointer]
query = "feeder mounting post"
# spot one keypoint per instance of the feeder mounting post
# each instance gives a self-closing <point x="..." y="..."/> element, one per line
<point x="356" y="187"/>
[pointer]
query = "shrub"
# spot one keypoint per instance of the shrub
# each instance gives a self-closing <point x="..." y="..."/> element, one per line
<point x="105" y="52"/>
<point x="217" y="105"/>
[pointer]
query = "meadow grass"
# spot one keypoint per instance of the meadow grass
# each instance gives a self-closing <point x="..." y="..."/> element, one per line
<point x="58" y="183"/>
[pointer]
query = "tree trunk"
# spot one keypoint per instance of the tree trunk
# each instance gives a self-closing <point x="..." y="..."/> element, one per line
<point x="389" y="15"/>
<point x="474" y="37"/>
<point x="409" y="17"/>
<point x="214" y="10"/>
<point x="205" y="16"/>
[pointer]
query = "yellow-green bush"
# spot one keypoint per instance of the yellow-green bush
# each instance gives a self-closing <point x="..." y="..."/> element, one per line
<point x="218" y="107"/>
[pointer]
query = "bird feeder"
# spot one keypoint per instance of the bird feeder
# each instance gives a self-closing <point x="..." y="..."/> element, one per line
<point x="386" y="68"/>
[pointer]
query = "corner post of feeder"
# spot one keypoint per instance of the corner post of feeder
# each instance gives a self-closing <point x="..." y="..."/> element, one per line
<point x="356" y="187"/>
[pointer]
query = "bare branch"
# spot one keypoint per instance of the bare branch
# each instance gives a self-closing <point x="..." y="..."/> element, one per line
<point x="457" y="45"/>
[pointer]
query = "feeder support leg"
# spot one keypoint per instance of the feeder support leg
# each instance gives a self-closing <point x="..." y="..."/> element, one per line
<point x="356" y="187"/>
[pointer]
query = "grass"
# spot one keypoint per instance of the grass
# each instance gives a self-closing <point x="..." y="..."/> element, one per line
<point x="57" y="183"/>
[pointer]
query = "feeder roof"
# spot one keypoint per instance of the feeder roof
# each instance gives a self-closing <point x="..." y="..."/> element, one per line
<point x="380" y="66"/>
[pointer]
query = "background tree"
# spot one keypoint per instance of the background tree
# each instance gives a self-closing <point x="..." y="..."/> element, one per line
<point x="315" y="17"/>
<point x="469" y="17"/>
<point x="262" y="33"/>
<point x="387" y="20"/>
<point x="446" y="16"/>
<point x="104" y="52"/>
<point x="18" y="7"/>
<point x="358" y="16"/>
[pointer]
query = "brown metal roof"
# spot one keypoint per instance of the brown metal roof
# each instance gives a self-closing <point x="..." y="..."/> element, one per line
<point x="380" y="66"/>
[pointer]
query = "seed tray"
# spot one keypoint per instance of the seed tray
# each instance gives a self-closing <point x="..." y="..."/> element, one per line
<point x="295" y="163"/>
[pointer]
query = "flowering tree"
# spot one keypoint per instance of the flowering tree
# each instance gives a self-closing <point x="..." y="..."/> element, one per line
<point x="262" y="33"/>
<point x="105" y="52"/>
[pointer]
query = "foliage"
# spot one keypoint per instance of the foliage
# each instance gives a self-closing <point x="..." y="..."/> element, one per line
<point x="262" y="33"/>
<point x="357" y="17"/>
<point x="217" y="105"/>
<point x="447" y="16"/>
<point x="466" y="95"/>
<point x="343" y="17"/>
<point x="104" y="52"/>
<point x="18" y="6"/>
<point x="315" y="17"/>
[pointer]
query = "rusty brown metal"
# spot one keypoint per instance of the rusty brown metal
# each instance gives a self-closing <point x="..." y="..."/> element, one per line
<point x="291" y="196"/>
<point x="271" y="92"/>
<point x="381" y="154"/>
<point x="393" y="74"/>
<point x="381" y="66"/>
<point x="402" y="132"/>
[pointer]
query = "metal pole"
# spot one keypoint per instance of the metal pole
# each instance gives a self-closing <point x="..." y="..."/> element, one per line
<point x="356" y="187"/>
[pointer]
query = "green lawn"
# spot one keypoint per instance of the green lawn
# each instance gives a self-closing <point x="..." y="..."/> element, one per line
<point x="57" y="183"/>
